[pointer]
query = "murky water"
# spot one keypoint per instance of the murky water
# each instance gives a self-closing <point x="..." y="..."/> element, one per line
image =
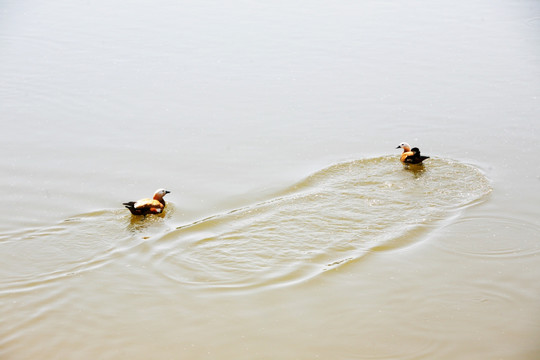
<point x="334" y="216"/>
<point x="292" y="230"/>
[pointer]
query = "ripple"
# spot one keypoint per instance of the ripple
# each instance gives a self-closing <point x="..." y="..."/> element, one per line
<point x="39" y="257"/>
<point x="332" y="217"/>
<point x="499" y="238"/>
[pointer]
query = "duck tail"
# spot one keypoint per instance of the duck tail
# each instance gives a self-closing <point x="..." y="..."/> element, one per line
<point x="130" y="206"/>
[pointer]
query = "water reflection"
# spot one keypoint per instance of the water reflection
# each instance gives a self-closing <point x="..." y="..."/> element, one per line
<point x="140" y="223"/>
<point x="416" y="169"/>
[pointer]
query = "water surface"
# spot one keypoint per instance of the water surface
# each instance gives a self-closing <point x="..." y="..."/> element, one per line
<point x="291" y="220"/>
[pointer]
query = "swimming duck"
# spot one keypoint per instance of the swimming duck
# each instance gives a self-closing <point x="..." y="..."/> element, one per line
<point x="148" y="206"/>
<point x="411" y="156"/>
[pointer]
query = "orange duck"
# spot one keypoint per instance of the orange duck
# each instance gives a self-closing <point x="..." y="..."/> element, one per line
<point x="148" y="206"/>
<point x="411" y="156"/>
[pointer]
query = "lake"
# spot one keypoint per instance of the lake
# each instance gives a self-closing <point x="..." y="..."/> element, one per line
<point x="292" y="231"/>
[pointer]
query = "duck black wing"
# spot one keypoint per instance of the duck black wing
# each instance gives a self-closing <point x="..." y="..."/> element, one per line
<point x="136" y="210"/>
<point x="131" y="207"/>
<point x="415" y="158"/>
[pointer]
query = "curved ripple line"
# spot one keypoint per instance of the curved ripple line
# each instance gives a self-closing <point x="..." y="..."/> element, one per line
<point x="332" y="217"/>
<point x="498" y="230"/>
<point x="76" y="245"/>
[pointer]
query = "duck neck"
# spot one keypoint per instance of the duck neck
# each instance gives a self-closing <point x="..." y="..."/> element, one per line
<point x="159" y="198"/>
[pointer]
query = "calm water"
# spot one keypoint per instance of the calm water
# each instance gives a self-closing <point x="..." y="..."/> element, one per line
<point x="292" y="231"/>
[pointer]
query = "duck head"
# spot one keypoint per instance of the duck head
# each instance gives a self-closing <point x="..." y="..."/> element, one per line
<point x="406" y="147"/>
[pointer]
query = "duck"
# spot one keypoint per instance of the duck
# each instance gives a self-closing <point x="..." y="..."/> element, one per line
<point x="148" y="206"/>
<point x="411" y="156"/>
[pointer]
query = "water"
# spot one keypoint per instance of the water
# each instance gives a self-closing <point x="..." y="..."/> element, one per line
<point x="292" y="231"/>
<point x="334" y="216"/>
